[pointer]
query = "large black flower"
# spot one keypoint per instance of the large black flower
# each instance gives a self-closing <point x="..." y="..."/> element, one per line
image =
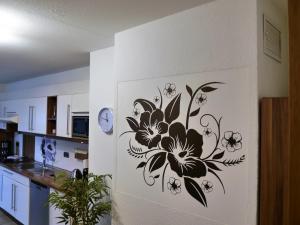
<point x="185" y="149"/>
<point x="151" y="127"/>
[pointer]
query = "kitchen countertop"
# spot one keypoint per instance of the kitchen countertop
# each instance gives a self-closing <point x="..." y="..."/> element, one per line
<point x="34" y="171"/>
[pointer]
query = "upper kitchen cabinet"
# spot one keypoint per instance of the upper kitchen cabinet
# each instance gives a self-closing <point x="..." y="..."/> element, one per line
<point x="64" y="109"/>
<point x="11" y="107"/>
<point x="33" y="115"/>
<point x="80" y="103"/>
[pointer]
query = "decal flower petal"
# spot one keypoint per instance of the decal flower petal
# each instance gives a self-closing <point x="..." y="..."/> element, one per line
<point x="174" y="185"/>
<point x="201" y="99"/>
<point x="232" y="141"/>
<point x="185" y="149"/>
<point x="207" y="132"/>
<point x="156" y="99"/>
<point x="136" y="112"/>
<point x="151" y="128"/>
<point x="170" y="90"/>
<point x="207" y="186"/>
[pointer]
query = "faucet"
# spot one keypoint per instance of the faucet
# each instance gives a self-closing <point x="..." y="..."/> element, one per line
<point x="44" y="162"/>
<point x="44" y="154"/>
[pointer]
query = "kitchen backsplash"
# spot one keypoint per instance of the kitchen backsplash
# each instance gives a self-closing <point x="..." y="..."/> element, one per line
<point x="62" y="147"/>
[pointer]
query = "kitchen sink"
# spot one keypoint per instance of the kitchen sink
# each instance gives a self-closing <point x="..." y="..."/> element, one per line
<point x="42" y="172"/>
<point x="36" y="169"/>
<point x="27" y="166"/>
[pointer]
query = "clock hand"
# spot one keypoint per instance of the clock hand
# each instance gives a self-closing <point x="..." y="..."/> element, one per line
<point x="104" y="118"/>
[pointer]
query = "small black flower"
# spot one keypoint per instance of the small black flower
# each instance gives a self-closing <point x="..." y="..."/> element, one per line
<point x="136" y="112"/>
<point x="201" y="99"/>
<point x="232" y="141"/>
<point x="156" y="99"/>
<point x="174" y="185"/>
<point x="207" y="186"/>
<point x="151" y="128"/>
<point x="207" y="132"/>
<point x="170" y="90"/>
<point x="184" y="150"/>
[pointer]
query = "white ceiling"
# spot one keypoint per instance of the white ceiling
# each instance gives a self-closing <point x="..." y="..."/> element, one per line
<point x="57" y="35"/>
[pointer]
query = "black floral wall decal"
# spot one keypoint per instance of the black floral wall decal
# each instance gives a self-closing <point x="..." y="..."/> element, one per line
<point x="170" y="90"/>
<point x="174" y="185"/>
<point x="136" y="112"/>
<point x="162" y="142"/>
<point x="232" y="141"/>
<point x="207" y="186"/>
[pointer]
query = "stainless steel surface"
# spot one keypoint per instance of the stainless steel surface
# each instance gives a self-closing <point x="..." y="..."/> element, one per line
<point x="37" y="169"/>
<point x="29" y="118"/>
<point x="14" y="190"/>
<point x="32" y="110"/>
<point x="68" y="118"/>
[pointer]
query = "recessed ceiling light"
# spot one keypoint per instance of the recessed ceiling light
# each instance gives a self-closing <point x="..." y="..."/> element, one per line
<point x="11" y="26"/>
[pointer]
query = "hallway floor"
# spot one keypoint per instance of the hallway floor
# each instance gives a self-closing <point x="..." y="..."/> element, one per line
<point x="5" y="220"/>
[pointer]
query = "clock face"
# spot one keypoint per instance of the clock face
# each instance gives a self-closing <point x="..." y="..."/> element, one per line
<point x="105" y="120"/>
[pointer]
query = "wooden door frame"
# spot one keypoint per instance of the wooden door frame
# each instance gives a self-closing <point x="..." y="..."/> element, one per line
<point x="294" y="116"/>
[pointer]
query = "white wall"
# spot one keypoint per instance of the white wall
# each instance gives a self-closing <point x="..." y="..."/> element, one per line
<point x="101" y="95"/>
<point x="273" y="75"/>
<point x="61" y="147"/>
<point x="67" y="82"/>
<point x="216" y="36"/>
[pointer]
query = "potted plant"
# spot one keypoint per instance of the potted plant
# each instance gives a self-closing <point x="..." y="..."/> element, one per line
<point x="82" y="201"/>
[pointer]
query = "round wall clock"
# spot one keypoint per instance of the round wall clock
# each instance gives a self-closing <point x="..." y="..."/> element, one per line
<point x="105" y="120"/>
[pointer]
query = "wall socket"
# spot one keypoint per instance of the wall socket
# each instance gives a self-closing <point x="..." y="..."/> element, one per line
<point x="66" y="155"/>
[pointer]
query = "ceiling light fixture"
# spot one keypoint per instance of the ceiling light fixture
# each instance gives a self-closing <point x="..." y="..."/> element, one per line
<point x="11" y="26"/>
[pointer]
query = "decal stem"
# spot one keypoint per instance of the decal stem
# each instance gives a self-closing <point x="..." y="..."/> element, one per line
<point x="192" y="99"/>
<point x="163" y="178"/>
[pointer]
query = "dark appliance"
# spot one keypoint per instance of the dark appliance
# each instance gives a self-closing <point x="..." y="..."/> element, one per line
<point x="76" y="174"/>
<point x="5" y="150"/>
<point x="39" y="209"/>
<point x="80" y="126"/>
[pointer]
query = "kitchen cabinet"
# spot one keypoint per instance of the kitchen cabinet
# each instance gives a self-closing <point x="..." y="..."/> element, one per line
<point x="33" y="115"/>
<point x="7" y="193"/>
<point x="1" y="188"/>
<point x="63" y="122"/>
<point x="21" y="202"/>
<point x="80" y="103"/>
<point x="15" y="195"/>
<point x="10" y="107"/>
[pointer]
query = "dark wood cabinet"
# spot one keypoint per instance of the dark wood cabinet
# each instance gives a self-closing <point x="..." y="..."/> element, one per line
<point x="274" y="161"/>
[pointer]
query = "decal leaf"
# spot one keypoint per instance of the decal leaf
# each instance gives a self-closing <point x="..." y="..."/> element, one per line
<point x="132" y="123"/>
<point x="234" y="162"/>
<point x="158" y="161"/>
<point x="208" y="89"/>
<point x="212" y="166"/>
<point x="219" y="155"/>
<point x="195" y="113"/>
<point x="189" y="90"/>
<point x="195" y="191"/>
<point x="147" y="105"/>
<point x="173" y="109"/>
<point x="141" y="165"/>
